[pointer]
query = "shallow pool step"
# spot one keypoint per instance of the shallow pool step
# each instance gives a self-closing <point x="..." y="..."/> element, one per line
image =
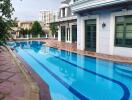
<point x="127" y="71"/>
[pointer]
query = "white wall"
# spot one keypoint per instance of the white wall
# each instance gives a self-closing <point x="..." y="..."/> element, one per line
<point x="121" y="51"/>
<point x="105" y="36"/>
<point x="81" y="31"/>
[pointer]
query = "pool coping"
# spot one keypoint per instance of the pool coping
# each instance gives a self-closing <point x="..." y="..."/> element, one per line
<point x="100" y="56"/>
<point x="39" y="89"/>
<point x="114" y="58"/>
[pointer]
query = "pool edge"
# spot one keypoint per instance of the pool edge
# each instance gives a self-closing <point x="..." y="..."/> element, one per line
<point x="39" y="88"/>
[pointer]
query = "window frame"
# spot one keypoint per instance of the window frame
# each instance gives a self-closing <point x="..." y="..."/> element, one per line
<point x="123" y="44"/>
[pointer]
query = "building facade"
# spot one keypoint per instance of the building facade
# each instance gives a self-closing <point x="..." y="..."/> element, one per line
<point x="104" y="26"/>
<point x="46" y="17"/>
<point x="20" y="25"/>
<point x="67" y="23"/>
<point x="25" y="24"/>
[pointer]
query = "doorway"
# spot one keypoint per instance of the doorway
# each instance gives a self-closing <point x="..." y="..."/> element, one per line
<point x="90" y="35"/>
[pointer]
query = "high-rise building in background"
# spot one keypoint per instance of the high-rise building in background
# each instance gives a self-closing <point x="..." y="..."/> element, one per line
<point x="46" y="17"/>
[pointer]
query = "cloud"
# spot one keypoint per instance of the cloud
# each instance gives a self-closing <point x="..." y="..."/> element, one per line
<point x="29" y="9"/>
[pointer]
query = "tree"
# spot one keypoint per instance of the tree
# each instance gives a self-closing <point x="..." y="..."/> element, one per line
<point x="53" y="28"/>
<point x="14" y="22"/>
<point x="6" y="10"/>
<point x="36" y="28"/>
<point x="24" y="32"/>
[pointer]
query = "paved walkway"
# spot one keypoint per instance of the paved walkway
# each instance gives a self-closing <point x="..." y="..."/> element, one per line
<point x="60" y="45"/>
<point x="13" y="84"/>
<point x="73" y="47"/>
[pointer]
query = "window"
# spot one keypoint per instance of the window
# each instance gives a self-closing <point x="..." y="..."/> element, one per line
<point x="63" y="12"/>
<point x="75" y="0"/>
<point x="123" y="31"/>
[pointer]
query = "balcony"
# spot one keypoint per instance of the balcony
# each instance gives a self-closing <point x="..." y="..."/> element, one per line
<point x="67" y="18"/>
<point x="80" y="5"/>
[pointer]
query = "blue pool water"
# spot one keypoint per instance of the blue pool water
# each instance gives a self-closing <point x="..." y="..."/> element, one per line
<point x="75" y="77"/>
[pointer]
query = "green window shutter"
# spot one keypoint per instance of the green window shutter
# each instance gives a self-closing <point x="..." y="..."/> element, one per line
<point x="123" y="31"/>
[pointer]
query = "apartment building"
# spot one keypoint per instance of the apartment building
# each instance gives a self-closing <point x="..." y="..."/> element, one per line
<point x="104" y="26"/>
<point x="67" y="29"/>
<point x="46" y="17"/>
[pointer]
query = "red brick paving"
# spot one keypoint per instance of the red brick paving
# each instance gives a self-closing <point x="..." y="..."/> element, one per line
<point x="73" y="48"/>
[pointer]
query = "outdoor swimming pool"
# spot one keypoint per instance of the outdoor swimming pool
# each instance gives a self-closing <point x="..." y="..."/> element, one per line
<point x="72" y="76"/>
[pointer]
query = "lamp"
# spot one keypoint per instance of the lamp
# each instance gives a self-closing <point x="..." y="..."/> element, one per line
<point x="103" y="25"/>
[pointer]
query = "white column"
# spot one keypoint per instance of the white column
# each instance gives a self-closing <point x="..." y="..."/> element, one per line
<point x="61" y="13"/>
<point x="14" y="36"/>
<point x="27" y="36"/>
<point x="66" y="12"/>
<point x="31" y="36"/>
<point x="80" y="33"/>
<point x="46" y="36"/>
<point x="70" y="33"/>
<point x="112" y="34"/>
<point x="54" y="36"/>
<point x="38" y="35"/>
<point x="59" y="33"/>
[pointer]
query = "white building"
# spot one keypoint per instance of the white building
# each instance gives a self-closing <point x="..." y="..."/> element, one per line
<point x="104" y="26"/>
<point x="67" y="23"/>
<point x="47" y="16"/>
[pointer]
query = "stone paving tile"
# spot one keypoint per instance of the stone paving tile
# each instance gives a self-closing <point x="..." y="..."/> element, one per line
<point x="5" y="75"/>
<point x="2" y="95"/>
<point x="13" y="85"/>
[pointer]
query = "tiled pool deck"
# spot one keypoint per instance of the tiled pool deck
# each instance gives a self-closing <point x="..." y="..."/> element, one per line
<point x="73" y="48"/>
<point x="15" y="84"/>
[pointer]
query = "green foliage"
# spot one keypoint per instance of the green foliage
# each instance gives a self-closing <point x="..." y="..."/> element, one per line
<point x="36" y="28"/>
<point x="53" y="28"/>
<point x="6" y="10"/>
<point x="24" y="32"/>
<point x="14" y="23"/>
<point x="4" y="27"/>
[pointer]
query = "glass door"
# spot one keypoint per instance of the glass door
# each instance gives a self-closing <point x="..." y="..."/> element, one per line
<point x="90" y="35"/>
<point x="63" y="32"/>
<point x="74" y="33"/>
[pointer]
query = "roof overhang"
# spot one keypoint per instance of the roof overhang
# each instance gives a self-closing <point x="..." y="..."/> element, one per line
<point x="84" y="5"/>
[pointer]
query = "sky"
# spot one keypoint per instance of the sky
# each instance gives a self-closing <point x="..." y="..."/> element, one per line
<point x="29" y="9"/>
